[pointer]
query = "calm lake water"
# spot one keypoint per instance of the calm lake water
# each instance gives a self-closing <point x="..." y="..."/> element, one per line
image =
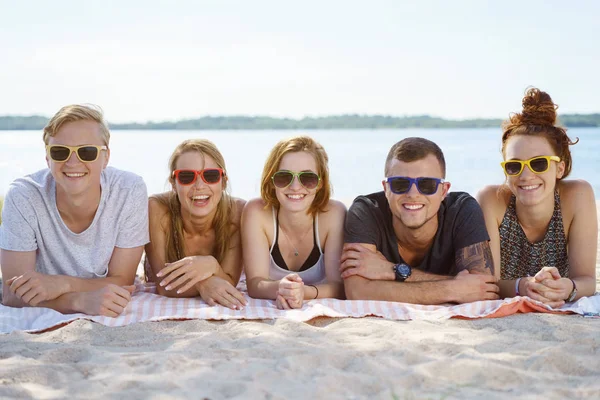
<point x="356" y="156"/>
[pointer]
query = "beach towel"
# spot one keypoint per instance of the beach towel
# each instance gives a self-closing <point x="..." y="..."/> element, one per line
<point x="146" y="305"/>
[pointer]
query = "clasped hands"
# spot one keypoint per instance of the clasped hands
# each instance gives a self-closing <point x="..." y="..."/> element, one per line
<point x="547" y="286"/>
<point x="199" y="272"/>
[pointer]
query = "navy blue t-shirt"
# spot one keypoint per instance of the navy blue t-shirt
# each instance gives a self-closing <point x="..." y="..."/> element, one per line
<point x="460" y="224"/>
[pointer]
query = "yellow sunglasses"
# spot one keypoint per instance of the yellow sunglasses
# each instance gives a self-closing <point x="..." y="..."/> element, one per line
<point x="85" y="153"/>
<point x="538" y="165"/>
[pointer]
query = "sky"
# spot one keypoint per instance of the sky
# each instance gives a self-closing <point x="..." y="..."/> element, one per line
<point x="167" y="60"/>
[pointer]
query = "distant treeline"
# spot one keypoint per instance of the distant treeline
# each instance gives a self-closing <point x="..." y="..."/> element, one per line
<point x="350" y="121"/>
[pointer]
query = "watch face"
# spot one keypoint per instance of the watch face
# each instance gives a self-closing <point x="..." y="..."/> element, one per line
<point x="404" y="270"/>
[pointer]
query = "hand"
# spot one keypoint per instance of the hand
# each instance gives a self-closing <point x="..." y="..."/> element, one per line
<point x="282" y="304"/>
<point x="358" y="260"/>
<point x="110" y="301"/>
<point x="188" y="271"/>
<point x="474" y="287"/>
<point x="552" y="286"/>
<point x="291" y="289"/>
<point x="216" y="290"/>
<point x="33" y="288"/>
<point x="530" y="287"/>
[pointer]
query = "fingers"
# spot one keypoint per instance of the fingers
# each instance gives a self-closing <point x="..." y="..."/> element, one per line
<point x="354" y="247"/>
<point x="170" y="267"/>
<point x="129" y="288"/>
<point x="286" y="284"/>
<point x="350" y="255"/>
<point x="10" y="281"/>
<point x="282" y="303"/>
<point x="350" y="263"/>
<point x="17" y="282"/>
<point x="238" y="296"/>
<point x="351" y="271"/>
<point x="172" y="275"/>
<point x="293" y="278"/>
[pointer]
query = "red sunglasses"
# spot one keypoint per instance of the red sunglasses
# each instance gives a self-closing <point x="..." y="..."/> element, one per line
<point x="210" y="176"/>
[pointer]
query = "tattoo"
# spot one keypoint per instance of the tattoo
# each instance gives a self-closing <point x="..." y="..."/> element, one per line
<point x="476" y="258"/>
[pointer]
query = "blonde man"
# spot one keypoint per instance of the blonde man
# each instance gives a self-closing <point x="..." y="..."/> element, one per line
<point x="72" y="234"/>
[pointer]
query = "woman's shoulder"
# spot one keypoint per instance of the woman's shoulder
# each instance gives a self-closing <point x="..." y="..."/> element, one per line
<point x="576" y="195"/>
<point x="158" y="203"/>
<point x="493" y="197"/>
<point x="333" y="208"/>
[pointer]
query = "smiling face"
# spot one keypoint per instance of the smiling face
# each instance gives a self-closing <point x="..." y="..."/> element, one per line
<point x="199" y="199"/>
<point x="295" y="197"/>
<point x="414" y="210"/>
<point x="73" y="177"/>
<point x="531" y="188"/>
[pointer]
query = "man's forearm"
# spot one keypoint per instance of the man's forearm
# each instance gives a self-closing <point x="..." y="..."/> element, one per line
<point x="421" y="276"/>
<point x="65" y="304"/>
<point x="76" y="284"/>
<point x="425" y="292"/>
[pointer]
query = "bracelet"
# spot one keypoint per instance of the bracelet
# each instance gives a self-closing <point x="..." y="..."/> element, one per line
<point x="517" y="287"/>
<point x="317" y="289"/>
<point x="573" y="293"/>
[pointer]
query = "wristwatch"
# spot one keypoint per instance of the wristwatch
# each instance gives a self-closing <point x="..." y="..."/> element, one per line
<point x="573" y="293"/>
<point x="402" y="272"/>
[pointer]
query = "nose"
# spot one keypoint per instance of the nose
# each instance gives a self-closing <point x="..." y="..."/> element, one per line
<point x="295" y="185"/>
<point x="527" y="172"/>
<point x="413" y="190"/>
<point x="73" y="159"/>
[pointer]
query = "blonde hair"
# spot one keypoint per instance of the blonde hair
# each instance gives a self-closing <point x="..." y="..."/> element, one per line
<point x="294" y="145"/>
<point x="77" y="112"/>
<point x="174" y="247"/>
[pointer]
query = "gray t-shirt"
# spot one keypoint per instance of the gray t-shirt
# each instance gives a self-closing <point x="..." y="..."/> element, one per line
<point x="31" y="221"/>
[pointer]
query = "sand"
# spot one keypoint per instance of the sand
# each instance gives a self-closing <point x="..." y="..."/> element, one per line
<point x="528" y="356"/>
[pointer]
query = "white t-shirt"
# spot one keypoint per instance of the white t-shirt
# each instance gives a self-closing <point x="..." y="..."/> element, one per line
<point x="31" y="221"/>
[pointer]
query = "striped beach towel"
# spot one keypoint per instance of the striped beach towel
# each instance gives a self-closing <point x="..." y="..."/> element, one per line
<point x="146" y="305"/>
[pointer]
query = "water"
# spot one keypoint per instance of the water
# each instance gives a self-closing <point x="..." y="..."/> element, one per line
<point x="356" y="156"/>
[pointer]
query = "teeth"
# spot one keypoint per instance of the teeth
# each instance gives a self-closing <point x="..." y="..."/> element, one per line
<point x="74" y="174"/>
<point x="203" y="197"/>
<point x="413" y="206"/>
<point x="295" y="196"/>
<point x="530" y="187"/>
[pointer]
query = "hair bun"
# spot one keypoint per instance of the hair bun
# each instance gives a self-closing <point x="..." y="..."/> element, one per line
<point x="538" y="108"/>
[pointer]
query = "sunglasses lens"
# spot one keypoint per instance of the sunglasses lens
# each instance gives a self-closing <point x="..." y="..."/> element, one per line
<point x="309" y="180"/>
<point x="211" y="175"/>
<point x="512" y="167"/>
<point x="59" y="153"/>
<point x="87" y="153"/>
<point x="539" y="164"/>
<point x="282" y="179"/>
<point x="186" y="177"/>
<point x="399" y="185"/>
<point x="427" y="186"/>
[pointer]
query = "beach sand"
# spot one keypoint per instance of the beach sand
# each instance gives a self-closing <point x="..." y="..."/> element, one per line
<point x="526" y="356"/>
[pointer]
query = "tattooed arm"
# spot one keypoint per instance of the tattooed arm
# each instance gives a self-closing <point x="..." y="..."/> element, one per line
<point x="476" y="258"/>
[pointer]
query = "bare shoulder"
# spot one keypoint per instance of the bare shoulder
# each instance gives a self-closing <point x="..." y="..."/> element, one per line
<point x="334" y="209"/>
<point x="494" y="198"/>
<point x="238" y="208"/>
<point x="155" y="205"/>
<point x="255" y="211"/>
<point x="574" y="188"/>
<point x="576" y="196"/>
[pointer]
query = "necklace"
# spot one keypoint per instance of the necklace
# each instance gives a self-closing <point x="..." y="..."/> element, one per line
<point x="296" y="253"/>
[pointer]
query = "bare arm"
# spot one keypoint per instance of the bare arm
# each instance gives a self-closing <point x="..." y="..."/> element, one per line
<point x="583" y="239"/>
<point x="24" y="287"/>
<point x="465" y="287"/>
<point x="332" y="222"/>
<point x="255" y="245"/>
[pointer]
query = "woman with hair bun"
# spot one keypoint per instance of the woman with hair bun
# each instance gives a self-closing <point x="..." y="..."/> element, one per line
<point x="293" y="235"/>
<point x="543" y="229"/>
